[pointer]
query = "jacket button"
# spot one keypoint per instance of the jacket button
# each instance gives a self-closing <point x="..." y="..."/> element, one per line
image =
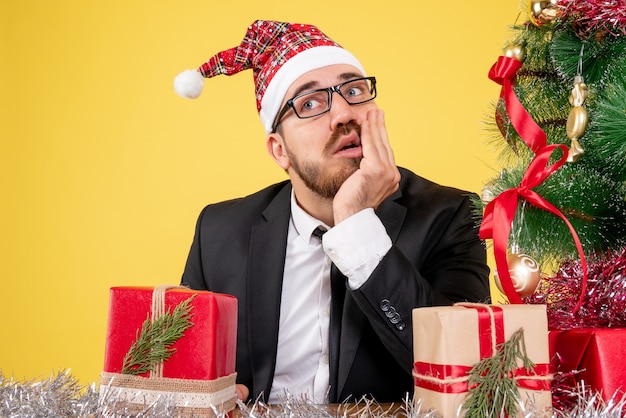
<point x="384" y="305"/>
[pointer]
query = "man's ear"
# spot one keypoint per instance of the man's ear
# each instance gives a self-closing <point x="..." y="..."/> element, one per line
<point x="276" y="149"/>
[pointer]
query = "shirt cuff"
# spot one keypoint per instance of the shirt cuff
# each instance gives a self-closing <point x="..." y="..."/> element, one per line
<point x="356" y="246"/>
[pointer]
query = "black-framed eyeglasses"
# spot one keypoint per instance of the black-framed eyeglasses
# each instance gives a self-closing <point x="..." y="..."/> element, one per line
<point x="317" y="102"/>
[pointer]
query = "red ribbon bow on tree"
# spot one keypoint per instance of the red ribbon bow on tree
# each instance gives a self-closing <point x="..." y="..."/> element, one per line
<point x="503" y="72"/>
<point x="500" y="212"/>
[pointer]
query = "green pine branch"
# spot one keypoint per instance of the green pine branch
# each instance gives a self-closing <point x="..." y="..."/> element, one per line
<point x="492" y="387"/>
<point x="153" y="343"/>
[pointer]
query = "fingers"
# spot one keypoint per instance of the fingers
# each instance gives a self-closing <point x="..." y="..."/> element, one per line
<point x="242" y="392"/>
<point x="377" y="177"/>
<point x="376" y="147"/>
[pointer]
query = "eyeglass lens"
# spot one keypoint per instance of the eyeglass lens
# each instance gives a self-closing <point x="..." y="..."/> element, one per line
<point x="316" y="102"/>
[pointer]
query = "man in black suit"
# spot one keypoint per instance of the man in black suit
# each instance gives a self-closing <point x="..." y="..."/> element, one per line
<point x="328" y="266"/>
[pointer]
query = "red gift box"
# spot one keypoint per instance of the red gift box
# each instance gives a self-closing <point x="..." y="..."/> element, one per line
<point x="205" y="352"/>
<point x="595" y="355"/>
<point x="198" y="378"/>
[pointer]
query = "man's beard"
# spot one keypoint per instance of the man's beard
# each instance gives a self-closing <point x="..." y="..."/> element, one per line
<point x="326" y="185"/>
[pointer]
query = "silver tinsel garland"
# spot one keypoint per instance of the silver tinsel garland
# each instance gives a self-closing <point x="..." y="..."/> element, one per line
<point x="61" y="395"/>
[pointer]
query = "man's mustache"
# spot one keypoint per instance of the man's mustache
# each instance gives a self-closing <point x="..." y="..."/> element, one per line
<point x="340" y="131"/>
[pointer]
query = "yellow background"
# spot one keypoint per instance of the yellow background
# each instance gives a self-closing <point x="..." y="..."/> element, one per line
<point x="103" y="169"/>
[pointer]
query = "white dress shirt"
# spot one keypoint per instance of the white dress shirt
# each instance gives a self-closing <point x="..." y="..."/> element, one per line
<point x="356" y="246"/>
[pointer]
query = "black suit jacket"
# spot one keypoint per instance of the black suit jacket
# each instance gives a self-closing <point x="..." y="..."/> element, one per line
<point x="436" y="259"/>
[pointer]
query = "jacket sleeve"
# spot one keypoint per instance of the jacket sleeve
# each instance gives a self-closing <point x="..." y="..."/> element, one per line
<point x="192" y="275"/>
<point x="436" y="260"/>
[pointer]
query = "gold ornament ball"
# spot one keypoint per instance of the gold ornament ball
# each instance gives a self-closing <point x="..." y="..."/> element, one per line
<point x="488" y="193"/>
<point x="525" y="274"/>
<point x="543" y="11"/>
<point x="515" y="51"/>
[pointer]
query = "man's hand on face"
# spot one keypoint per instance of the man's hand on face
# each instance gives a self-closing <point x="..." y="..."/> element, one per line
<point x="377" y="177"/>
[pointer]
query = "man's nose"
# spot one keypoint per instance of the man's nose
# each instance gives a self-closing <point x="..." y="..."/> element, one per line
<point x="341" y="111"/>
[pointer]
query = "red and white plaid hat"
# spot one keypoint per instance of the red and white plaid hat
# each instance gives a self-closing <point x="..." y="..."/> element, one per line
<point x="278" y="54"/>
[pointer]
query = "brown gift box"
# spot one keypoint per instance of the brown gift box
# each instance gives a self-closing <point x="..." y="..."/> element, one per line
<point x="448" y="341"/>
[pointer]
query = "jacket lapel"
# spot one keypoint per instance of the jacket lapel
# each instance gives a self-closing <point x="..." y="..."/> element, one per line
<point x="268" y="243"/>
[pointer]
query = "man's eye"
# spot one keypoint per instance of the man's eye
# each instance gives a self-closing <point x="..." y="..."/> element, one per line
<point x="354" y="91"/>
<point x="310" y="104"/>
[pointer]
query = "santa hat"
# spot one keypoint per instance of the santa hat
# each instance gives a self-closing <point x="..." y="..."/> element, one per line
<point x="278" y="54"/>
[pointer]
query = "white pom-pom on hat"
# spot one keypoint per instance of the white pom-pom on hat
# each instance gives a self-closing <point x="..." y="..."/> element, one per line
<point x="189" y="84"/>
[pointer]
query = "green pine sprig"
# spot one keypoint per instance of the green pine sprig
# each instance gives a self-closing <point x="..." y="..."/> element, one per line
<point x="493" y="391"/>
<point x="153" y="343"/>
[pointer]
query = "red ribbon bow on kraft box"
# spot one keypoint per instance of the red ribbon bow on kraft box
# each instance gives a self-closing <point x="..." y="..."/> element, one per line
<point x="450" y="340"/>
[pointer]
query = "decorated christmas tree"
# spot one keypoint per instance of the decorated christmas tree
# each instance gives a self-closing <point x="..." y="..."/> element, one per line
<point x="556" y="212"/>
<point x="560" y="128"/>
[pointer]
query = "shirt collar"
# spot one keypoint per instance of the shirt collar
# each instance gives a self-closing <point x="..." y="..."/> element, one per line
<point x="302" y="221"/>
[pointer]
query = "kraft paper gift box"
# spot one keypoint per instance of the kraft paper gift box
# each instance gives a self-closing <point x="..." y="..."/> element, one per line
<point x="450" y="340"/>
<point x="594" y="357"/>
<point x="199" y="375"/>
